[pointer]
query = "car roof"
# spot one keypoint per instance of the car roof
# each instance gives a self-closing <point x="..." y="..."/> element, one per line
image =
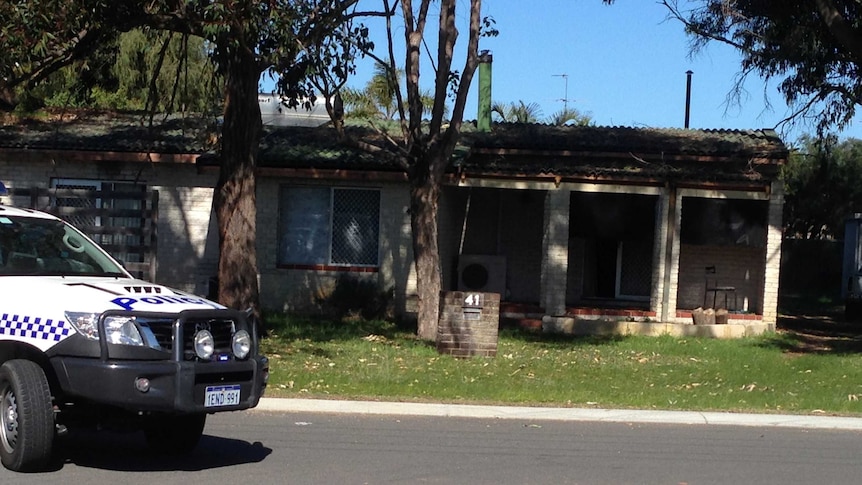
<point x="6" y="210"/>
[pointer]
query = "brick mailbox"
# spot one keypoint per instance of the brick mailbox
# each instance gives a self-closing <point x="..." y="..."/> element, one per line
<point x="468" y="324"/>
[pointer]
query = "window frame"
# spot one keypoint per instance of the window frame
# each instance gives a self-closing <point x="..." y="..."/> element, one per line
<point x="328" y="265"/>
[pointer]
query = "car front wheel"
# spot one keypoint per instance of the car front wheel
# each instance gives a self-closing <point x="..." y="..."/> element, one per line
<point x="26" y="416"/>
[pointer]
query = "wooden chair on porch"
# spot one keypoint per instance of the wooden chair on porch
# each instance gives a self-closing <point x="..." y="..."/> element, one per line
<point x="711" y="285"/>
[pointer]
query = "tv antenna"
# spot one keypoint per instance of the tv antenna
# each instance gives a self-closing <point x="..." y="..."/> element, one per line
<point x="565" y="99"/>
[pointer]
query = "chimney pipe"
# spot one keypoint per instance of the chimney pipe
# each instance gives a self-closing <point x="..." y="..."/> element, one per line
<point x="483" y="121"/>
<point x="687" y="96"/>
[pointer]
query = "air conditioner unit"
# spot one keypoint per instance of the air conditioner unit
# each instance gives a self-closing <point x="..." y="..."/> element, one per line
<point x="480" y="272"/>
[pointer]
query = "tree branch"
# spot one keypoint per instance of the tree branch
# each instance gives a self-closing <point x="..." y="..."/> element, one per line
<point x="446" y="38"/>
<point x="693" y="28"/>
<point x="393" y="70"/>
<point x="839" y="28"/>
<point x="469" y="66"/>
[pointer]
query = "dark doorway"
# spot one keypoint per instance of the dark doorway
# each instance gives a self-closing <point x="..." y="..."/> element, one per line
<point x="606" y="268"/>
<point x="616" y="233"/>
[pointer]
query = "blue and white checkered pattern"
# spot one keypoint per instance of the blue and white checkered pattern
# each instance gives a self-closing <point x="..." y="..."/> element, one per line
<point x="33" y="327"/>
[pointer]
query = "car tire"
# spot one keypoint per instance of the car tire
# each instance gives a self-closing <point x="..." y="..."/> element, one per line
<point x="26" y="416"/>
<point x="174" y="435"/>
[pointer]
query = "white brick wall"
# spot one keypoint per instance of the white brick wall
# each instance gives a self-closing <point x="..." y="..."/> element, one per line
<point x="187" y="241"/>
<point x="285" y="289"/>
<point x="188" y="234"/>
<point x="556" y="252"/>
<point x="538" y="257"/>
<point x="659" y="255"/>
<point x="773" y="253"/>
<point x="737" y="266"/>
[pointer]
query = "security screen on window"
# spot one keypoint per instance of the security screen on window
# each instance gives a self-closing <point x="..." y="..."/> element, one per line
<point x="126" y="246"/>
<point x="329" y="226"/>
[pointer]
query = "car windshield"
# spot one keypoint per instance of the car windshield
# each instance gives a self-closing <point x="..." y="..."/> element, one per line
<point x="49" y="247"/>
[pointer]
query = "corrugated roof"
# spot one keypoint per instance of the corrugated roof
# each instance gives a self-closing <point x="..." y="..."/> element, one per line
<point x="320" y="148"/>
<point x="608" y="152"/>
<point x="508" y="150"/>
<point x="625" y="139"/>
<point x="114" y="132"/>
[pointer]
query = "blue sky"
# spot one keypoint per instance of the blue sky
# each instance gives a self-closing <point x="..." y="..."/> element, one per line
<point x="625" y="65"/>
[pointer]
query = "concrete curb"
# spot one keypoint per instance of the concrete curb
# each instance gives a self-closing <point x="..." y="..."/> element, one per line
<point x="556" y="414"/>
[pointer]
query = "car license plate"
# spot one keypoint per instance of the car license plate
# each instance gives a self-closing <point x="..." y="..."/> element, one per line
<point x="221" y="396"/>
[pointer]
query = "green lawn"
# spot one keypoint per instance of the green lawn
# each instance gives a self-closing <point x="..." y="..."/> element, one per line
<point x="782" y="372"/>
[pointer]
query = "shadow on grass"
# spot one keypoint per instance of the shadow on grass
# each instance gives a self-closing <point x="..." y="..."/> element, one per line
<point x="551" y="339"/>
<point x="823" y="307"/>
<point x="804" y="327"/>
<point x="315" y="329"/>
<point x="290" y="327"/>
<point x="811" y="335"/>
<point x="802" y="343"/>
<point x="815" y="326"/>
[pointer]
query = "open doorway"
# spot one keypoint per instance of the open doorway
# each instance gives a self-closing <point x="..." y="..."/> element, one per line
<point x="612" y="244"/>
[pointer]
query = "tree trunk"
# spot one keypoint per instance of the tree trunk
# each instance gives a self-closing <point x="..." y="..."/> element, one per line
<point x="424" y="199"/>
<point x="234" y="199"/>
<point x="7" y="98"/>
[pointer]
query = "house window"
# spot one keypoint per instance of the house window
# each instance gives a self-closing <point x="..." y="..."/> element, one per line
<point x="329" y="226"/>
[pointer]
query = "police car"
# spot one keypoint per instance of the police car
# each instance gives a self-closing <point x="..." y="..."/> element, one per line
<point x="83" y="343"/>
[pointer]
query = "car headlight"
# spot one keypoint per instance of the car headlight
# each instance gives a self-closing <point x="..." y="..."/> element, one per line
<point x="204" y="344"/>
<point x="118" y="329"/>
<point x="87" y="324"/>
<point x="241" y="344"/>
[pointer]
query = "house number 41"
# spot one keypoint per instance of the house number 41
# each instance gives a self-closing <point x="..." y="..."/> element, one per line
<point x="473" y="300"/>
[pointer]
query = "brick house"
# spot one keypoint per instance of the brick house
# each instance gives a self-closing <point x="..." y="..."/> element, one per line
<point x="615" y="229"/>
<point x="589" y="229"/>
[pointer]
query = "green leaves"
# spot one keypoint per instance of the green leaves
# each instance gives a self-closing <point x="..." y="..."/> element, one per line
<point x="814" y="48"/>
<point x="489" y="27"/>
<point x="294" y="38"/>
<point x="823" y="183"/>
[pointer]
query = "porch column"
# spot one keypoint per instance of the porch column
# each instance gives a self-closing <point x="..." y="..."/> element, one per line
<point x="555" y="256"/>
<point x="773" y="254"/>
<point x="666" y="270"/>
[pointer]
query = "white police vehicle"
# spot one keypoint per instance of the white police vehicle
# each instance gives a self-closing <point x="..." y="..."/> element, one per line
<point x="83" y="343"/>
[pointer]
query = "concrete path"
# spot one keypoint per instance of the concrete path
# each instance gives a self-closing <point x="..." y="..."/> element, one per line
<point x="557" y="414"/>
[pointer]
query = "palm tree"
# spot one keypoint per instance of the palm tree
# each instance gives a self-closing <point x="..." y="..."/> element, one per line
<point x="521" y="112"/>
<point x="377" y="99"/>
<point x="517" y="112"/>
<point x="570" y="117"/>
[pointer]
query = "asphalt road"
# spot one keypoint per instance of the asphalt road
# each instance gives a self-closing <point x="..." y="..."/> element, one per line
<point x="280" y="444"/>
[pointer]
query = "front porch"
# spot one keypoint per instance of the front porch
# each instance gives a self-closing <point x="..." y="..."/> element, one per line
<point x="638" y="266"/>
<point x="619" y="231"/>
<point x="622" y="320"/>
